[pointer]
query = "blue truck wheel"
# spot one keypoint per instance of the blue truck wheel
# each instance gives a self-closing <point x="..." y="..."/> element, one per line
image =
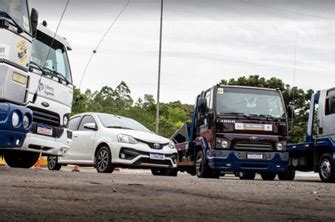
<point x="327" y="168"/>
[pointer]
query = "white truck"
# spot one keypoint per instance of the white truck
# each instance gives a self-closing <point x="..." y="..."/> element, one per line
<point x="50" y="97"/>
<point x="17" y="29"/>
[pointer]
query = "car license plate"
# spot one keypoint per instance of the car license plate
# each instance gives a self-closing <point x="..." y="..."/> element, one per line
<point x="255" y="156"/>
<point x="44" y="130"/>
<point x="157" y="156"/>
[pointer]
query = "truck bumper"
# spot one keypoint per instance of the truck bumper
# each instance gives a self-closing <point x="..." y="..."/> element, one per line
<point x="246" y="161"/>
<point x="47" y="145"/>
<point x="11" y="139"/>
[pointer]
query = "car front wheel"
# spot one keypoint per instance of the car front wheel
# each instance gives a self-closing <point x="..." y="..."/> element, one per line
<point x="53" y="163"/>
<point x="104" y="160"/>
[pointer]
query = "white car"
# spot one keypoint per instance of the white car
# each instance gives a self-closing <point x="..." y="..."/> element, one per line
<point x="107" y="141"/>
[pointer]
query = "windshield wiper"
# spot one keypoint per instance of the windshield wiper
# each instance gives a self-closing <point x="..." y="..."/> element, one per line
<point x="118" y="127"/>
<point x="235" y="114"/>
<point x="57" y="74"/>
<point x="11" y="20"/>
<point x="37" y="66"/>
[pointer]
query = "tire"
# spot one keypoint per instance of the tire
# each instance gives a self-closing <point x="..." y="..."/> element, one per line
<point x="21" y="159"/>
<point x="191" y="171"/>
<point x="268" y="176"/>
<point x="103" y="161"/>
<point x="327" y="168"/>
<point x="288" y="175"/>
<point x="201" y="168"/>
<point x="247" y="175"/>
<point x="164" y="172"/>
<point x="53" y="163"/>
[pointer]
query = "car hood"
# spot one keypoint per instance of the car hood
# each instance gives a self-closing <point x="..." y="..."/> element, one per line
<point x="140" y="135"/>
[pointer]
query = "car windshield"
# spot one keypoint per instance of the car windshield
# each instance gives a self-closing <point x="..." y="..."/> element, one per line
<point x="18" y="10"/>
<point x="112" y="121"/>
<point x="52" y="60"/>
<point x="250" y="102"/>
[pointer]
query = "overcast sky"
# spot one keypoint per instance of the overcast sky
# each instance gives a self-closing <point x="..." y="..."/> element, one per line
<point x="203" y="42"/>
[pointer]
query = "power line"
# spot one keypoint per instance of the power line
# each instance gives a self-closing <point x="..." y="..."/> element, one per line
<point x="283" y="10"/>
<point x="102" y="39"/>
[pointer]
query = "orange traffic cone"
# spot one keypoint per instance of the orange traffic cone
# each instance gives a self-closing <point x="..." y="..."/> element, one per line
<point x="38" y="163"/>
<point x="75" y="168"/>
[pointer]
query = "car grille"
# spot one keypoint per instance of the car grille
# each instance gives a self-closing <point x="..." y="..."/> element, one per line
<point x="150" y="161"/>
<point x="45" y="117"/>
<point x="252" y="146"/>
<point x="153" y="145"/>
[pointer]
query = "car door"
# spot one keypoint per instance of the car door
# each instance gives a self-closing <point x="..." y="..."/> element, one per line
<point x="85" y="139"/>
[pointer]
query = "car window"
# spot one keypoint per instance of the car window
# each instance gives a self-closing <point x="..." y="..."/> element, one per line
<point x="86" y="119"/>
<point x="74" y="122"/>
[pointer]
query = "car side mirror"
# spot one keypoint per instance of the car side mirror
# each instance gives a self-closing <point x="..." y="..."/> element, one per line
<point x="290" y="113"/>
<point x="34" y="21"/>
<point x="202" y="105"/>
<point x="91" y="126"/>
<point x="332" y="104"/>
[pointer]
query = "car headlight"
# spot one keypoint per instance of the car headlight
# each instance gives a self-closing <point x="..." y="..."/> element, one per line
<point x="281" y="146"/>
<point x="225" y="144"/>
<point x="126" y="139"/>
<point x="15" y="119"/>
<point x="172" y="145"/>
<point x="26" y="121"/>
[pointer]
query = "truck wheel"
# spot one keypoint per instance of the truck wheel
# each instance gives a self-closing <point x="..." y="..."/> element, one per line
<point x="327" y="168"/>
<point x="268" y="176"/>
<point x="201" y="168"/>
<point x="288" y="175"/>
<point x="104" y="160"/>
<point x="53" y="163"/>
<point x="164" y="172"/>
<point x="191" y="171"/>
<point x="247" y="175"/>
<point x="21" y="159"/>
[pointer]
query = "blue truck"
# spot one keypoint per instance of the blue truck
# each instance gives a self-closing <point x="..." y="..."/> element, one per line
<point x="317" y="153"/>
<point x="17" y="29"/>
<point x="235" y="129"/>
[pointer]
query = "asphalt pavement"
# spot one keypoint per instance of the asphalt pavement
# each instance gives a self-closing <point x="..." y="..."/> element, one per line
<point x="136" y="195"/>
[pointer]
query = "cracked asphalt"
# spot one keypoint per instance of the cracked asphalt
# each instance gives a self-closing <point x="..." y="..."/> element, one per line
<point x="40" y="195"/>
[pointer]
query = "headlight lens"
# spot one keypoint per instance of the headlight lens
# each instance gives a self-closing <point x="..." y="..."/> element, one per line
<point x="26" y="122"/>
<point x="225" y="144"/>
<point x="281" y="146"/>
<point x="20" y="78"/>
<point x="126" y="139"/>
<point x="65" y="121"/>
<point x="15" y="119"/>
<point x="172" y="145"/>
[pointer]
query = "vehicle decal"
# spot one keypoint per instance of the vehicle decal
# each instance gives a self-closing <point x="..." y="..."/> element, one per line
<point x="4" y="51"/>
<point x="22" y="51"/>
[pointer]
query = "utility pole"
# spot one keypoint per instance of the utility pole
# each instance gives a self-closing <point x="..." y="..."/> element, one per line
<point x="159" y="69"/>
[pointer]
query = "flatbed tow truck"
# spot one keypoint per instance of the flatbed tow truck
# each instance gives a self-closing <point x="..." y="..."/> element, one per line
<point x="317" y="153"/>
<point x="235" y="129"/>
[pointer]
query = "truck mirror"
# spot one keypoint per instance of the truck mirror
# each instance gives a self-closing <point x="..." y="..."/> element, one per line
<point x="202" y="105"/>
<point x="332" y="105"/>
<point x="34" y="21"/>
<point x="290" y="112"/>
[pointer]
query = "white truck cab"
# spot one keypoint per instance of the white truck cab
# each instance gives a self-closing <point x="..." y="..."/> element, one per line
<point x="50" y="94"/>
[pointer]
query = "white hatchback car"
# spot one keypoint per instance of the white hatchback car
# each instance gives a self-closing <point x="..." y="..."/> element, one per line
<point x="107" y="141"/>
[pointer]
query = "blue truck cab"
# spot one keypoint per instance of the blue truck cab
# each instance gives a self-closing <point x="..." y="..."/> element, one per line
<point x="317" y="152"/>
<point x="235" y="129"/>
<point x="15" y="122"/>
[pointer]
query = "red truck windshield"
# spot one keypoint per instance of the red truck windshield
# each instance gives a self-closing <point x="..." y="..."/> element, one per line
<point x="249" y="102"/>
